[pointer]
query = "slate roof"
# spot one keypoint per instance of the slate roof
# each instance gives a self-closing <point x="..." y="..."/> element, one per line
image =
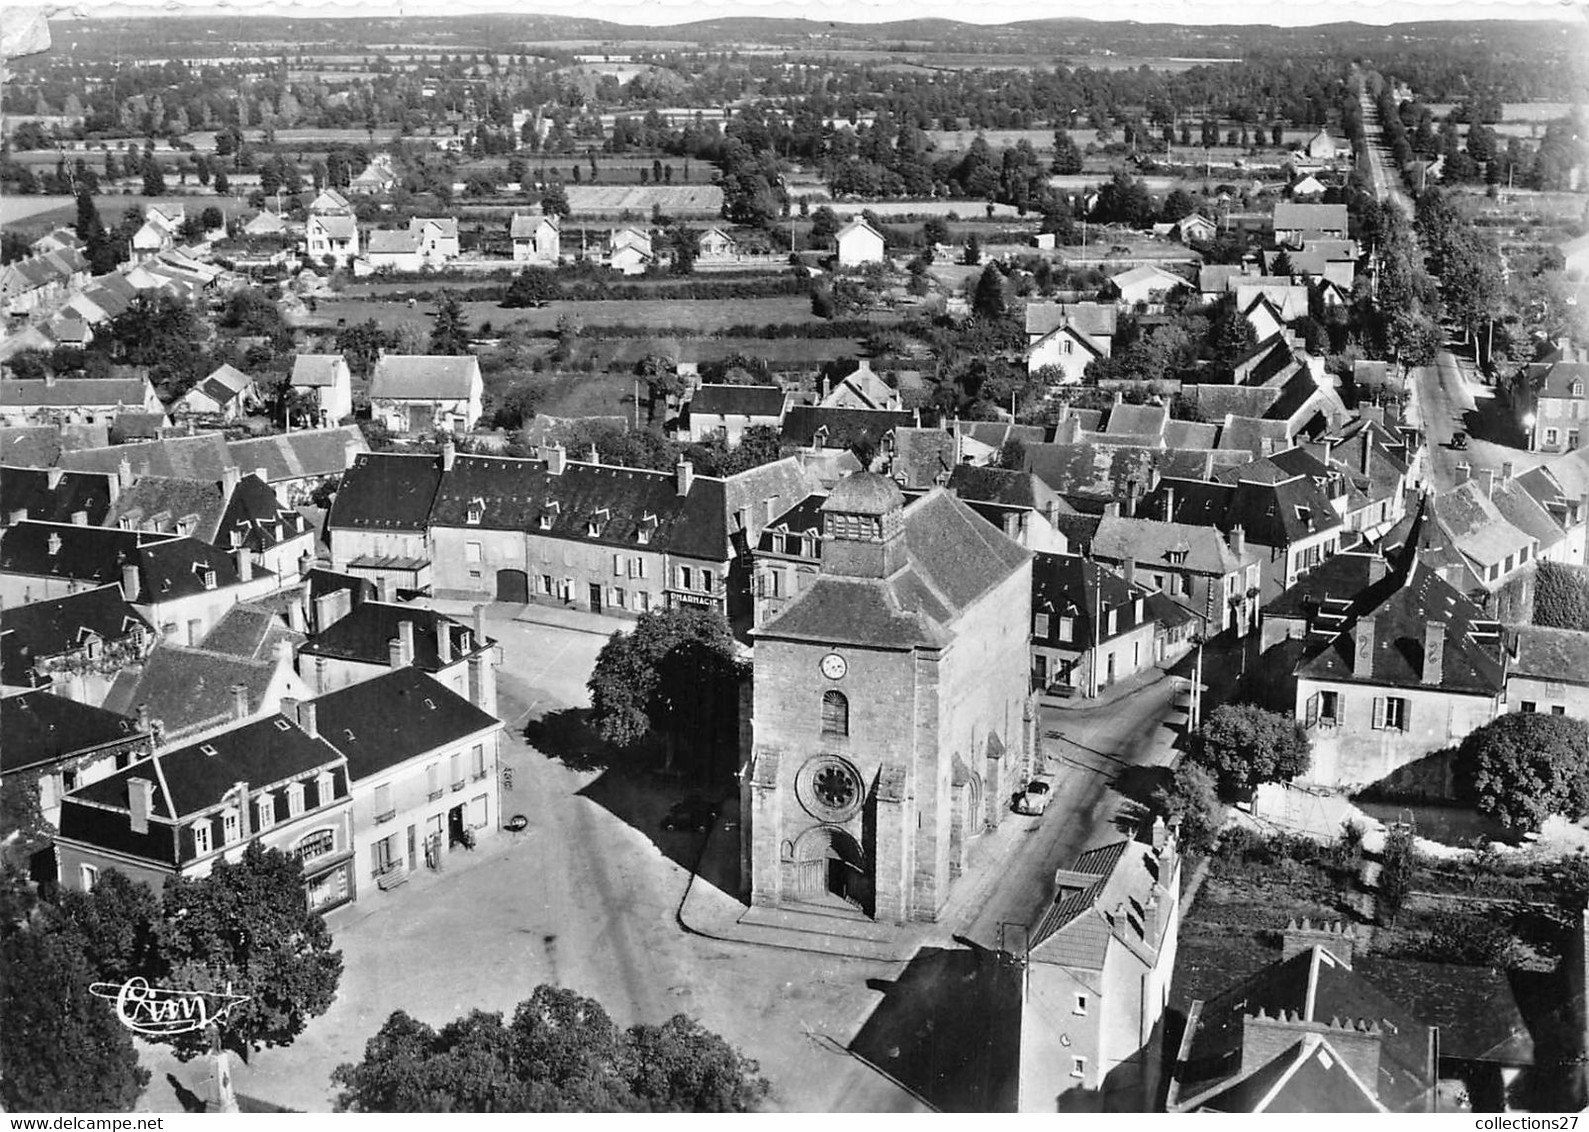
<point x="1247" y="435"/>
<point x="524" y="226"/>
<point x="132" y="426"/>
<point x="921" y="455"/>
<point x="1099" y="471"/>
<point x="1190" y="435"/>
<point x="339" y="227"/>
<point x="315" y="370"/>
<point x="995" y="485"/>
<point x="383" y="722"/>
<point x="1473" y="1007"/>
<point x="23" y="489"/>
<point x="844" y="426"/>
<point x="952" y="559"/>
<point x="804" y="518"/>
<point x="1072" y="586"/>
<point x="169" y="567"/>
<point x="188" y="689"/>
<point x="1557" y="655"/>
<point x="1343" y="585"/>
<point x="1559" y="378"/>
<point x="1109" y="884"/>
<point x="1219" y="401"/>
<point x="1319" y="988"/>
<point x="1095" y="320"/>
<point x="250" y="631"/>
<point x="42" y="728"/>
<point x="1523" y="512"/>
<point x="384" y="241"/>
<point x="1471" y="655"/>
<point x="73" y="392"/>
<point x="204" y="457"/>
<point x="424" y="378"/>
<point x="299" y="455"/>
<point x="175" y="506"/>
<point x="1309" y="1076"/>
<point x="42" y="629"/>
<point x="1138" y="420"/>
<point x="366" y="633"/>
<point x="737" y="400"/>
<point x="1150" y="542"/>
<point x="1289" y="216"/>
<point x="386" y="491"/>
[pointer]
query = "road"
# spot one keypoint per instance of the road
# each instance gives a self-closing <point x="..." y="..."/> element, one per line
<point x="1381" y="165"/>
<point x="1086" y="749"/>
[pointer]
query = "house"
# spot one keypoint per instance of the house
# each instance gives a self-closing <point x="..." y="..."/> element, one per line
<point x="1325" y="598"/>
<point x="376" y="178"/>
<point x="42" y="281"/>
<point x="1575" y="256"/>
<point x="716" y="246"/>
<point x="378" y="528"/>
<point x="859" y="243"/>
<point x="267" y="223"/>
<point x="422" y="771"/>
<point x="728" y="410"/>
<point x="1295" y="224"/>
<point x="183" y="692"/>
<point x="1306" y="1033"/>
<point x="1561" y="408"/>
<point x="72" y="645"/>
<point x="376" y="637"/>
<point x="333" y="236"/>
<point x="1307" y="188"/>
<point x="1067" y="336"/>
<point x="326" y="380"/>
<point x="1199" y="567"/>
<point x="1288" y="300"/>
<point x="1321" y="147"/>
<point x="537" y="238"/>
<point x="1567" y="505"/>
<point x="268" y="780"/>
<point x="1148" y="285"/>
<point x="419" y="393"/>
<point x="1097" y="979"/>
<point x="179" y="585"/>
<point x="1329" y="264"/>
<point x="330" y="202"/>
<point x="815" y="427"/>
<point x="1018" y="503"/>
<point x="55" y="495"/>
<point x="160" y="230"/>
<point x="1092" y="627"/>
<point x="630" y="251"/>
<point x="427" y="242"/>
<point x="74" y="400"/>
<point x="1263" y="316"/>
<point x="1548" y="671"/>
<point x="1215" y="279"/>
<point x="1195" y="229"/>
<point x="295" y="464"/>
<point x="1410" y="676"/>
<point x="788" y="558"/>
<point x="226" y="393"/>
<point x="921" y="458"/>
<point x="58" y="239"/>
<point x="253" y="630"/>
<point x="1485" y="554"/>
<point x="56" y="745"/>
<point x="860" y="388"/>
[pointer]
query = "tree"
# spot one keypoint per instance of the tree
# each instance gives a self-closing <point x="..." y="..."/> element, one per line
<point x="824" y="226"/>
<point x="1561" y="597"/>
<point x="1177" y="206"/>
<point x="989" y="301"/>
<point x="1523" y="767"/>
<point x="1191" y="801"/>
<point x="532" y="287"/>
<point x="361" y="344"/>
<point x="560" y="1053"/>
<point x="973" y="252"/>
<point x="1244" y="745"/>
<point x="554" y="200"/>
<point x="686" y="249"/>
<point x="1398" y="862"/>
<point x="449" y="334"/>
<point x="674" y="669"/>
<point x="154" y="182"/>
<point x="64" y="1049"/>
<point x="1067" y="157"/>
<point x="935" y="230"/>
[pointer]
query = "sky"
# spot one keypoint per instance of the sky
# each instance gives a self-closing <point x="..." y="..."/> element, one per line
<point x="664" y="12"/>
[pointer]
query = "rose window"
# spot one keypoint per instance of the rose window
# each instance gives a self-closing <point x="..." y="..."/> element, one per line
<point x="835" y="787"/>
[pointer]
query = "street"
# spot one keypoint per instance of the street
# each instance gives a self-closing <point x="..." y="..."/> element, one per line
<point x="1443" y="401"/>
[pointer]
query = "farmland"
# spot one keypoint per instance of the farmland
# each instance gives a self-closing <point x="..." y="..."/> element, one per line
<point x="697" y="317"/>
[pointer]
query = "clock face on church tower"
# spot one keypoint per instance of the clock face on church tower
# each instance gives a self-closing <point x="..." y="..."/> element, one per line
<point x="834" y="666"/>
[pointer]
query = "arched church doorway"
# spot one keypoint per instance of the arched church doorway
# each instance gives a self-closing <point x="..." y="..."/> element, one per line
<point x="828" y="867"/>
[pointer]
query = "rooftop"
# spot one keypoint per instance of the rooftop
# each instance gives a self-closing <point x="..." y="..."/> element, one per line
<point x="383" y="722"/>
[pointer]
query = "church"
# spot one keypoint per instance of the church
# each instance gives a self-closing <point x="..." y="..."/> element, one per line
<point x="892" y="717"/>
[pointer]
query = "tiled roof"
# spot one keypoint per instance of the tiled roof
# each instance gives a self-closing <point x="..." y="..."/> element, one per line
<point x="366" y="633"/>
<point x="299" y="455"/>
<point x="921" y="455"/>
<point x="1559" y="378"/>
<point x="72" y="392"/>
<point x="1523" y="512"/>
<point x="313" y="370"/>
<point x="339" y="227"/>
<point x="250" y="631"/>
<point x="1473" y="1007"/>
<point x="386" y="242"/>
<point x="175" y="506"/>
<point x="1477" y="527"/>
<point x="1557" y="655"/>
<point x="1138" y="420"/>
<point x="1093" y="470"/>
<point x="1310" y="217"/>
<point x="386" y="491"/>
<point x="1108" y="886"/>
<point x="737" y="400"/>
<point x="523" y="226"/>
<point x="40" y="727"/>
<point x="203" y="457"/>
<point x="29" y="490"/>
<point x="424" y="377"/>
<point x="1150" y="542"/>
<point x="189" y="689"/>
<point x="1149" y="274"/>
<point x="995" y="485"/>
<point x="380" y="723"/>
<point x="1190" y="435"/>
<point x="1308" y="1076"/>
<point x="1095" y="320"/>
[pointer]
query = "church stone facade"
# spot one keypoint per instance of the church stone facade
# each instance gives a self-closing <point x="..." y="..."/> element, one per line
<point x="892" y="716"/>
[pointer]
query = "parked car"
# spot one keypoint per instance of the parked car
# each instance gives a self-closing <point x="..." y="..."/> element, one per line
<point x="1035" y="798"/>
<point x="1459" y="440"/>
<point x="694" y="812"/>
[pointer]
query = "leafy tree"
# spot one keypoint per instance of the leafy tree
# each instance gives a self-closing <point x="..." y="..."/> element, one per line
<point x="517" y="407"/>
<point x="1244" y="745"/>
<point x="1177" y="205"/>
<point x="1012" y="454"/>
<point x="554" y="201"/>
<point x="532" y="287"/>
<point x="1466" y="939"/>
<point x="973" y="252"/>
<point x="663" y="678"/>
<point x="1398" y="863"/>
<point x="1191" y="800"/>
<point x="560" y="1053"/>
<point x="1561" y="597"/>
<point x="154" y="182"/>
<point x="249" y="311"/>
<point x="935" y="230"/>
<point x="159" y="331"/>
<point x="64" y="1048"/>
<point x="116" y="922"/>
<point x="1523" y="767"/>
<point x="361" y="344"/>
<point x="824" y="226"/>
<point x="1067" y="157"/>
<point x="989" y="301"/>
<point x="686" y="249"/>
<point x="449" y="334"/>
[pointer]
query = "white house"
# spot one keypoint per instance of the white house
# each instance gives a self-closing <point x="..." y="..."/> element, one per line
<point x="330" y="203"/>
<point x="377" y="177"/>
<point x="417" y="393"/>
<point x="1146" y="284"/>
<point x="227" y="393"/>
<point x="267" y="223"/>
<point x="716" y="246"/>
<point x="1066" y="336"/>
<point x="859" y="243"/>
<point x="536" y="239"/>
<point x="631" y="251"/>
<point x="327" y="379"/>
<point x="427" y="242"/>
<point x="334" y="236"/>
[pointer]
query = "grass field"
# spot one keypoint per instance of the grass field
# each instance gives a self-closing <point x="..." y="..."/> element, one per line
<point x="674" y="199"/>
<point x="684" y="314"/>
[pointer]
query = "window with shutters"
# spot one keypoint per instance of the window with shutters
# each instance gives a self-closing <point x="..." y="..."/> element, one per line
<point x="835" y="713"/>
<point x="543" y="583"/>
<point x="384" y="810"/>
<point x="458" y="779"/>
<point x="264" y="812"/>
<point x="201" y="836"/>
<point x="1040" y="625"/>
<point x="686" y="578"/>
<point x="477" y="812"/>
<point x="706" y="581"/>
<point x="617" y="566"/>
<point x="294" y="799"/>
<point x="433" y="781"/>
<point x="1390" y="713"/>
<point x="618" y="597"/>
<point x="642" y="601"/>
<point x="230" y="827"/>
<point x="477" y="760"/>
<point x="1067" y="628"/>
<point x="384" y="857"/>
<point x="326" y="785"/>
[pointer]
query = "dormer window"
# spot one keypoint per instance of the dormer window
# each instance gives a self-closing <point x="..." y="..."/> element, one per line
<point x="230" y="824"/>
<point x="208" y="577"/>
<point x="1577" y="389"/>
<point x="295" y="799"/>
<point x="265" y="811"/>
<point x="597" y="522"/>
<point x="477" y="511"/>
<point x="55" y="544"/>
<point x="325" y="787"/>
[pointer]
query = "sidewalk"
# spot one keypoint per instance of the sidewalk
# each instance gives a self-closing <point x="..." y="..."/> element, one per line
<point x="1115" y="692"/>
<point x="572" y="618"/>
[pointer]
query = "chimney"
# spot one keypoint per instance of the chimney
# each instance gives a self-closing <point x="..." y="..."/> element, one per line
<point x="480" y="626"/>
<point x="684" y="476"/>
<point x="19" y="515"/>
<point x="555" y="457"/>
<point x="295" y="617"/>
<point x="124" y="473"/>
<point x="592" y="456"/>
<point x="53" y="478"/>
<point x="383" y="588"/>
<point x="449" y="454"/>
<point x="140" y="803"/>
<point x="1368" y="452"/>
<point x="1111" y="509"/>
<point x="405" y="639"/>
<point x="229" y="480"/>
<point x="79" y="518"/>
<point x="245" y="564"/>
<point x="1487" y="478"/>
<point x="1238" y="540"/>
<point x="394" y="652"/>
<point x="1160" y="834"/>
<point x="239" y="701"/>
<point x="1266" y="446"/>
<point x="1335" y="936"/>
<point x="1169" y="504"/>
<point x="143" y="717"/>
<point x="1128" y="571"/>
<point x="1150" y="921"/>
<point x="129" y="581"/>
<point x="1357" y="1041"/>
<point x="1133" y="498"/>
<point x="263" y="474"/>
<point x="443" y="643"/>
<point x="289" y="707"/>
<point x="1363" y="647"/>
<point x="1376" y="569"/>
<point x="307" y="719"/>
<point x="1434" y="652"/>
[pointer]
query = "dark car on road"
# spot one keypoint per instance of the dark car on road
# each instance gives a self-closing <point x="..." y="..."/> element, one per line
<point x="694" y="812"/>
<point x="1459" y="440"/>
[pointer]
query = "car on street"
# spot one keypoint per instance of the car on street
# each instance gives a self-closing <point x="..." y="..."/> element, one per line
<point x="1459" y="440"/>
<point x="1035" y="798"/>
<point x="694" y="812"/>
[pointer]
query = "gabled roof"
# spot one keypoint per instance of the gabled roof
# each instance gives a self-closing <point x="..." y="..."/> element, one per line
<point x="168" y="567"/>
<point x="310" y="454"/>
<point x="523" y="227"/>
<point x="1097" y="471"/>
<point x="339" y="227"/>
<point x="998" y="485"/>
<point x="28" y="489"/>
<point x="383" y="722"/>
<point x="921" y="455"/>
<point x="1308" y="1076"/>
<point x="365" y="634"/>
<point x="384" y="241"/>
<point x="251" y="631"/>
<point x="42" y="728"/>
<point x="316" y="370"/>
<point x="1290" y="216"/>
<point x="844" y="426"/>
<point x="1151" y="543"/>
<point x="1473" y="1007"/>
<point x="42" y="629"/>
<point x="1148" y="274"/>
<point x="188" y="689"/>
<point x="1095" y="320"/>
<point x="74" y="392"/>
<point x="386" y="491"/>
<point x="203" y="457"/>
<point x="737" y="401"/>
<point x="424" y="377"/>
<point x="173" y="506"/>
<point x="1138" y="420"/>
<point x="1556" y="655"/>
<point x="1101" y="899"/>
<point x="1477" y="528"/>
<point x="858" y="224"/>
